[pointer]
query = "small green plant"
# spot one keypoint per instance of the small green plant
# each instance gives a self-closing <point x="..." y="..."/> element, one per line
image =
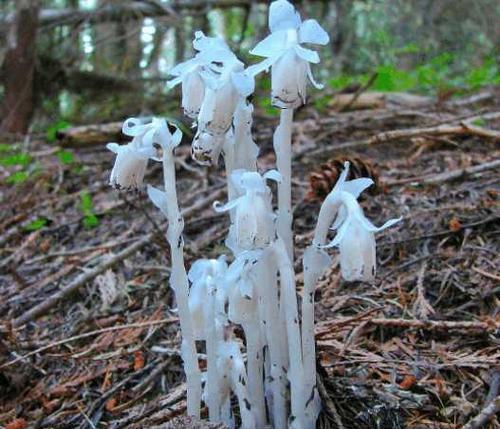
<point x="65" y="157"/>
<point x="51" y="133"/>
<point x="21" y="159"/>
<point x="90" y="220"/>
<point x="36" y="225"/>
<point x="18" y="177"/>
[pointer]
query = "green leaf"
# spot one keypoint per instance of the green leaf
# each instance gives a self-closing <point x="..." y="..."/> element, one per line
<point x="22" y="159"/>
<point x="36" y="225"/>
<point x="86" y="202"/>
<point x="90" y="221"/>
<point x="479" y="122"/>
<point x="54" y="128"/>
<point x="18" y="177"/>
<point x="65" y="157"/>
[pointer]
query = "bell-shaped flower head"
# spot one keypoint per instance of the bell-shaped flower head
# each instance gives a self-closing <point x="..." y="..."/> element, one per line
<point x="188" y="74"/>
<point x="284" y="53"/>
<point x="239" y="283"/>
<point x="204" y="276"/>
<point x="224" y="87"/>
<point x="206" y="148"/>
<point x="355" y="233"/>
<point x="132" y="158"/>
<point x="254" y="220"/>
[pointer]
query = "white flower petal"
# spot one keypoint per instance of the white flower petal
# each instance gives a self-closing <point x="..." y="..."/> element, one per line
<point x="289" y="81"/>
<point x="311" y="32"/>
<point x="113" y="147"/>
<point x="341" y="217"/>
<point x="370" y="226"/>
<point x="311" y="78"/>
<point x="255" y="69"/>
<point x="341" y="233"/>
<point x="244" y="83"/>
<point x="273" y="175"/>
<point x="307" y="54"/>
<point x="203" y="43"/>
<point x="220" y="208"/>
<point x="133" y="127"/>
<point x="357" y="254"/>
<point x="193" y="92"/>
<point x="282" y="15"/>
<point x="357" y="186"/>
<point x="158" y="198"/>
<point x="174" y="82"/>
<point x="129" y="169"/>
<point x="272" y="45"/>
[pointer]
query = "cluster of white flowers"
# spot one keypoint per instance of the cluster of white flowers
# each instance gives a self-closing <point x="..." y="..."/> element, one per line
<point x="276" y="383"/>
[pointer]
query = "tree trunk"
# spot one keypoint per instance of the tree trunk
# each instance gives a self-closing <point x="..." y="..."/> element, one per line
<point x="18" y="69"/>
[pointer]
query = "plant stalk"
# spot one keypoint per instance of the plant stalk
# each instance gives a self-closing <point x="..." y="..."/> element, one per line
<point x="180" y="285"/>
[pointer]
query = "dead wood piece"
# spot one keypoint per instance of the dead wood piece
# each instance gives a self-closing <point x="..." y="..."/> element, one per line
<point x="369" y="100"/>
<point x="83" y="278"/>
<point x="463" y="128"/>
<point x="431" y="325"/>
<point x="18" y="69"/>
<point x="457" y="174"/>
<point x="486" y="414"/>
<point x="378" y="100"/>
<point x="90" y="135"/>
<point x="359" y="92"/>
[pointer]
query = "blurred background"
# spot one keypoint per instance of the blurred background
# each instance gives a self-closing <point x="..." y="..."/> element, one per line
<point x="93" y="61"/>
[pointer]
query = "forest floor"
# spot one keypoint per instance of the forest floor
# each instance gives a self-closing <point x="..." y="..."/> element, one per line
<point x="87" y="337"/>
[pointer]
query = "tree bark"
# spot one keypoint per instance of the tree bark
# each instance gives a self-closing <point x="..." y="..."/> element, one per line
<point x="18" y="69"/>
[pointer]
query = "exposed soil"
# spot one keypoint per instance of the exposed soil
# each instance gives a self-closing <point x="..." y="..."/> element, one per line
<point x="417" y="349"/>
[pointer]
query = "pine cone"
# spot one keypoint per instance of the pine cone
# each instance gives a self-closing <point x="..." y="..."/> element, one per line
<point x="322" y="181"/>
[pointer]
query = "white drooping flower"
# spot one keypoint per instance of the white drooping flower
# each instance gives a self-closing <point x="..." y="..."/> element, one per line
<point x="206" y="147"/>
<point x="188" y="73"/>
<point x="132" y="158"/>
<point x="204" y="276"/>
<point x="224" y="87"/>
<point x="254" y="220"/>
<point x="355" y="233"/>
<point x="240" y="284"/>
<point x="289" y="61"/>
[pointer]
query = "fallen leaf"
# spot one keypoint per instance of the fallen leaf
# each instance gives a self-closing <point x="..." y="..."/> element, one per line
<point x="454" y="225"/>
<point x="408" y="382"/>
<point x="111" y="404"/>
<point x="17" y="424"/>
<point x="138" y="360"/>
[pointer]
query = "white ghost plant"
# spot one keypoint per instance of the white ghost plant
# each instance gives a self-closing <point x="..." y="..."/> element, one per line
<point x="275" y="381"/>
<point x="254" y="219"/>
<point x="355" y="233"/>
<point x="290" y="62"/>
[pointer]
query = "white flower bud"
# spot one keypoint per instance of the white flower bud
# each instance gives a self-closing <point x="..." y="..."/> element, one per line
<point x="206" y="148"/>
<point x="217" y="109"/>
<point x="355" y="233"/>
<point x="129" y="168"/>
<point x="289" y="81"/>
<point x="193" y="92"/>
<point x="254" y="220"/>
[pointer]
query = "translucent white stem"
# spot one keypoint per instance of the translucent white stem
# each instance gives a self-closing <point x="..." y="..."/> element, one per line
<point x="239" y="381"/>
<point x="315" y="261"/>
<point x="289" y="301"/>
<point x="275" y="343"/>
<point x="255" y="371"/>
<point x="282" y="142"/>
<point x="213" y="387"/>
<point x="179" y="283"/>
